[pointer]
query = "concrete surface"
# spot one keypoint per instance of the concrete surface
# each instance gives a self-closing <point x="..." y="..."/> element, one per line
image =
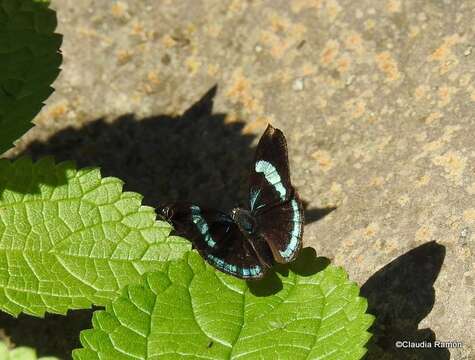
<point x="376" y="98"/>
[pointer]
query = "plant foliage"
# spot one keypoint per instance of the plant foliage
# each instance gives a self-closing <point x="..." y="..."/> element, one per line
<point x="191" y="311"/>
<point x="20" y="353"/>
<point x="69" y="238"/>
<point x="29" y="63"/>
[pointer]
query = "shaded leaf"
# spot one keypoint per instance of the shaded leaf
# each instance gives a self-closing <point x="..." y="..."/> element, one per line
<point x="29" y="63"/>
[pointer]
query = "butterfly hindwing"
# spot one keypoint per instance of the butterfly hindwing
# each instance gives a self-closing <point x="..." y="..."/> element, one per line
<point x="270" y="178"/>
<point x="282" y="228"/>
<point x="219" y="241"/>
<point x="240" y="257"/>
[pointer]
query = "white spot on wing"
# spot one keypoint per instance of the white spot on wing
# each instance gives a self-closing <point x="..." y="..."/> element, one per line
<point x="272" y="176"/>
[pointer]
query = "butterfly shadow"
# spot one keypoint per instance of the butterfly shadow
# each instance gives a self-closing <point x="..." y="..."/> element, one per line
<point x="315" y="214"/>
<point x="198" y="156"/>
<point x="401" y="295"/>
<point x="306" y="264"/>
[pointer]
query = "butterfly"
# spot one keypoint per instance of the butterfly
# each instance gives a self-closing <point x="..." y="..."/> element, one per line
<point x="246" y="242"/>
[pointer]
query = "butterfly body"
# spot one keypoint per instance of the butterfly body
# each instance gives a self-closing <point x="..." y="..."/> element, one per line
<point x="244" y="220"/>
<point x="245" y="243"/>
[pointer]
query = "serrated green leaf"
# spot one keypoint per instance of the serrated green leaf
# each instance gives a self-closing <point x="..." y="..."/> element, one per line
<point x="20" y="353"/>
<point x="192" y="311"/>
<point x="69" y="238"/>
<point x="29" y="63"/>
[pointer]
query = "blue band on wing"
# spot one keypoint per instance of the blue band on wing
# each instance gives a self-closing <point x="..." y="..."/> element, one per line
<point x="296" y="232"/>
<point x="253" y="271"/>
<point x="272" y="176"/>
<point x="202" y="225"/>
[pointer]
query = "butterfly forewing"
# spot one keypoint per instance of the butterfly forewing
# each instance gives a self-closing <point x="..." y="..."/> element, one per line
<point x="273" y="200"/>
<point x="270" y="179"/>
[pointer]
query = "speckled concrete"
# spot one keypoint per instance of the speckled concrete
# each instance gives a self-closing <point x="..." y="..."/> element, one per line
<point x="376" y="98"/>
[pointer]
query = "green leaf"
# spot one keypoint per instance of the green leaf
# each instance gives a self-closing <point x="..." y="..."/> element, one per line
<point x="190" y="310"/>
<point x="20" y="353"/>
<point x="29" y="63"/>
<point x="69" y="238"/>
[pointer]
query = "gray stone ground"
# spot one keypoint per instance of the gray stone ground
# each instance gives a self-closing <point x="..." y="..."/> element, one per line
<point x="376" y="98"/>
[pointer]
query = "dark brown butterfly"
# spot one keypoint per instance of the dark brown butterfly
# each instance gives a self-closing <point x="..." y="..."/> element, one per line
<point x="246" y="243"/>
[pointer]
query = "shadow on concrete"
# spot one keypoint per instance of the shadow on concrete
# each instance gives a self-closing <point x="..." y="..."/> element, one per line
<point x="197" y="157"/>
<point x="401" y="295"/>
<point x="315" y="214"/>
